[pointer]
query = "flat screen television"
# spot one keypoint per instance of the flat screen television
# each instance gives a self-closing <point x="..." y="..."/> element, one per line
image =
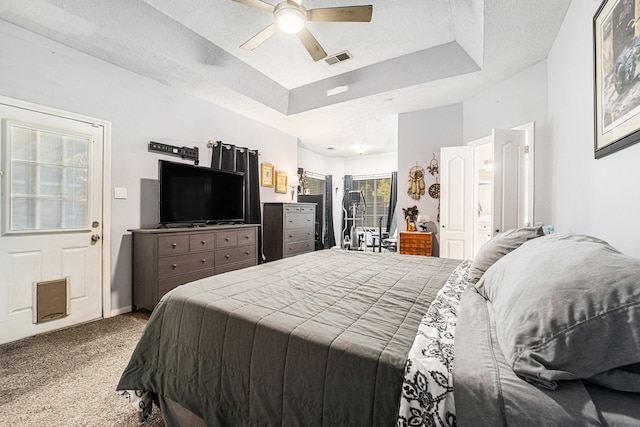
<point x="199" y="195"/>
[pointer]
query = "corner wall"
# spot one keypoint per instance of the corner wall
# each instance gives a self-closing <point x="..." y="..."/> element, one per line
<point x="35" y="69"/>
<point x="420" y="136"/>
<point x="516" y="101"/>
<point x="596" y="197"/>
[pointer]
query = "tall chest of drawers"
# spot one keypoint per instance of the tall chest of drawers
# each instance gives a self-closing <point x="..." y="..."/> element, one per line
<point x="288" y="229"/>
<point x="166" y="258"/>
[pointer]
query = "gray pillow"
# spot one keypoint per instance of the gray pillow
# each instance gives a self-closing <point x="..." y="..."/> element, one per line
<point x="567" y="307"/>
<point x="499" y="246"/>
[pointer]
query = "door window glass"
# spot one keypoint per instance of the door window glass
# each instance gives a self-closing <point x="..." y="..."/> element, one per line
<point x="47" y="186"/>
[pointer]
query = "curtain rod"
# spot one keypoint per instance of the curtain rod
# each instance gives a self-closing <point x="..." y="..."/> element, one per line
<point x="377" y="176"/>
<point x="211" y="144"/>
<point x="315" y="175"/>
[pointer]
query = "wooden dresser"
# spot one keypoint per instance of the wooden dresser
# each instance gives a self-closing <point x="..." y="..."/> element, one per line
<point x="288" y="229"/>
<point x="166" y="258"/>
<point x="415" y="243"/>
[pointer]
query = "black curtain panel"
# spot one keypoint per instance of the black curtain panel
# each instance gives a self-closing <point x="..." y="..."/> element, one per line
<point x="224" y="156"/>
<point x="393" y="200"/>
<point x="348" y="183"/>
<point x="329" y="235"/>
<point x="238" y="159"/>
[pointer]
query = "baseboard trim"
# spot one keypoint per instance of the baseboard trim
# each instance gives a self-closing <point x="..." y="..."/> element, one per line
<point x="122" y="310"/>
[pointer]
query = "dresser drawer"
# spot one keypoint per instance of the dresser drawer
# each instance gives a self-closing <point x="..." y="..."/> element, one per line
<point x="298" y="234"/>
<point x="201" y="261"/>
<point x="225" y="239"/>
<point x="296" y="248"/>
<point x="288" y="209"/>
<point x="173" y="245"/>
<point x="247" y="237"/>
<point x="416" y="243"/>
<point x="233" y="255"/>
<point x="182" y="264"/>
<point x="202" y="242"/>
<point x="299" y="220"/>
<point x="173" y="266"/>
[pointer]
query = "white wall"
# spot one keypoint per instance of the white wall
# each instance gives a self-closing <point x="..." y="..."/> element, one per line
<point x="38" y="70"/>
<point x="511" y="103"/>
<point x="420" y="136"/>
<point x="596" y="197"/>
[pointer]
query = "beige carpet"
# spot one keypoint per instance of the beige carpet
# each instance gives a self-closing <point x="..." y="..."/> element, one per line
<point x="69" y="377"/>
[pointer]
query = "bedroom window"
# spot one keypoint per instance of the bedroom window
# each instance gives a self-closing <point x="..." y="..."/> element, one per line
<point x="376" y="190"/>
<point x="47" y="179"/>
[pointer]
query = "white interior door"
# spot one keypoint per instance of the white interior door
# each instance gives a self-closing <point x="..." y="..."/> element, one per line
<point x="51" y="214"/>
<point x="456" y="202"/>
<point x="510" y="195"/>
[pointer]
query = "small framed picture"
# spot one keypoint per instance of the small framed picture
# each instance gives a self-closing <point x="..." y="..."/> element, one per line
<point x="281" y="182"/>
<point x="266" y="175"/>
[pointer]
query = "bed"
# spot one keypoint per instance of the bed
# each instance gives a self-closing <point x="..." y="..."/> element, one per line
<point x="334" y="338"/>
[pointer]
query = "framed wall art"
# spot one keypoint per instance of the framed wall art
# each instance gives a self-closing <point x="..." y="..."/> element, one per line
<point x="616" y="46"/>
<point x="266" y="175"/>
<point x="281" y="182"/>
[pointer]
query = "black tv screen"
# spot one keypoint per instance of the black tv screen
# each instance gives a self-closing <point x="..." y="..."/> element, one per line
<point x="193" y="194"/>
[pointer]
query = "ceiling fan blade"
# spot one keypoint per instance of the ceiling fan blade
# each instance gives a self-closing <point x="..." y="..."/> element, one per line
<point x="341" y="14"/>
<point x="260" y="38"/>
<point x="313" y="47"/>
<point x="257" y="4"/>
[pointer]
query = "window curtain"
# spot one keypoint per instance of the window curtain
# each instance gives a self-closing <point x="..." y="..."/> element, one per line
<point x="393" y="201"/>
<point x="329" y="235"/>
<point x="239" y="159"/>
<point x="346" y="230"/>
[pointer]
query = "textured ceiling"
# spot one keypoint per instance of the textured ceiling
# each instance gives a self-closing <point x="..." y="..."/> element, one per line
<point x="414" y="54"/>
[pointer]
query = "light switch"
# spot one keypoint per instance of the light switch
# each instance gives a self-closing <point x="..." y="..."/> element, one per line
<point x="120" y="193"/>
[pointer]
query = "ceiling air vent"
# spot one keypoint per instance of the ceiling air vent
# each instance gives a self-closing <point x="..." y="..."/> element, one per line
<point x="338" y="57"/>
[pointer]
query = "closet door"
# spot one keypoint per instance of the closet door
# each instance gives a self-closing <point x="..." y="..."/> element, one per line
<point x="510" y="185"/>
<point x="456" y="202"/>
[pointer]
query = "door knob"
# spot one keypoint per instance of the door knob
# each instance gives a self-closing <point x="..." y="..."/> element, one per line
<point x="95" y="237"/>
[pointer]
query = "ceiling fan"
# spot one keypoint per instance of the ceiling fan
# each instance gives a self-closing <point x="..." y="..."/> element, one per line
<point x="290" y="17"/>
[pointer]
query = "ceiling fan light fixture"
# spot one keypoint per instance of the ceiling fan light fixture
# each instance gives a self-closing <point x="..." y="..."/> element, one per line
<point x="290" y="18"/>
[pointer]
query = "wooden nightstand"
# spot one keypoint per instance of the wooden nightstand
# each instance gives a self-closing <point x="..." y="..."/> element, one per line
<point x="415" y="243"/>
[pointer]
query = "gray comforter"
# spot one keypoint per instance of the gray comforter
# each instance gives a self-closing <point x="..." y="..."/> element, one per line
<point x="317" y="339"/>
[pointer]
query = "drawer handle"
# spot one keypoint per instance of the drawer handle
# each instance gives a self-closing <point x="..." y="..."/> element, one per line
<point x="174" y="245"/>
<point x="203" y="242"/>
<point x="226" y="239"/>
<point x="290" y="235"/>
<point x="246" y="252"/>
<point x="227" y="256"/>
<point x="174" y="266"/>
<point x="246" y="236"/>
<point x="203" y="260"/>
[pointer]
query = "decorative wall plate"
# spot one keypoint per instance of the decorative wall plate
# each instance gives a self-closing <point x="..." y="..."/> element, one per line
<point x="434" y="190"/>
